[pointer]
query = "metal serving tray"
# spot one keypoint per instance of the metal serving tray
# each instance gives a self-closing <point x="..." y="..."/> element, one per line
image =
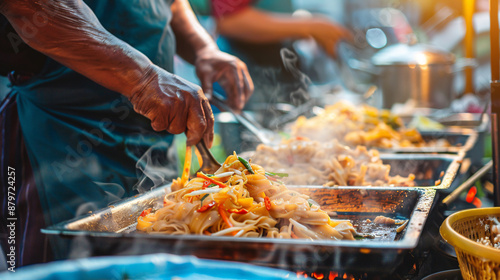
<point x="111" y="231"/>
<point x="477" y="122"/>
<point x="436" y="171"/>
<point x="428" y="169"/>
<point x="461" y="140"/>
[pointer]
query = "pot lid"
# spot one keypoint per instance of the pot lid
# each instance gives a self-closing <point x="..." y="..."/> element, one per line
<point x="420" y="54"/>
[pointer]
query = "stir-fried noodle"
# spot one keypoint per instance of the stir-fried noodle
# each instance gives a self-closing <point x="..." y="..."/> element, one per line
<point x="330" y="163"/>
<point x="243" y="200"/>
<point x="361" y="125"/>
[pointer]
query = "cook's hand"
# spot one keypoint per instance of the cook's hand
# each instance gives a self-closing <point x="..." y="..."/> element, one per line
<point x="212" y="65"/>
<point x="327" y="34"/>
<point x="175" y="105"/>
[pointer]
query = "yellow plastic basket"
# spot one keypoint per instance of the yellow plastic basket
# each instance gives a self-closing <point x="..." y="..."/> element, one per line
<point x="461" y="230"/>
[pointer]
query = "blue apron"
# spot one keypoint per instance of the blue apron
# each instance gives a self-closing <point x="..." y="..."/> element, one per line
<point x="84" y="141"/>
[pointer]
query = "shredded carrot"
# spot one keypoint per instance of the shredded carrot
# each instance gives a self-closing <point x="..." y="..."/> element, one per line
<point x="206" y="232"/>
<point x="294" y="236"/>
<point x="201" y="175"/>
<point x="222" y="213"/>
<point x="187" y="166"/>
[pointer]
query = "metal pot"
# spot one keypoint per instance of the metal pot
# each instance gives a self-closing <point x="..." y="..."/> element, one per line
<point x="419" y="72"/>
<point x="410" y="71"/>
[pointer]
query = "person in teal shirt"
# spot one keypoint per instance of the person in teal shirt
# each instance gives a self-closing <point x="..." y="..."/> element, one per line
<point x="106" y="95"/>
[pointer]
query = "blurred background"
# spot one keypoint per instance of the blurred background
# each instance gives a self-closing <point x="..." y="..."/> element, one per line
<point x="388" y="36"/>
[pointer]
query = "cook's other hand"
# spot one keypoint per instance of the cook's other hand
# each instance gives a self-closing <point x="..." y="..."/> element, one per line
<point x="175" y="105"/>
<point x="328" y="34"/>
<point x="197" y="47"/>
<point x="252" y="25"/>
<point x="231" y="73"/>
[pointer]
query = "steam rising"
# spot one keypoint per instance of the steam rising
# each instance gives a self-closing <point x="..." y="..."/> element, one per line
<point x="158" y="166"/>
<point x="290" y="60"/>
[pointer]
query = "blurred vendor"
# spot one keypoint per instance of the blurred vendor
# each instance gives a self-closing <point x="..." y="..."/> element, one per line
<point x="102" y="95"/>
<point x="257" y="31"/>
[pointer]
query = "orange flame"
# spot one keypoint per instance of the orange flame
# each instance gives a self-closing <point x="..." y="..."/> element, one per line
<point x="332" y="275"/>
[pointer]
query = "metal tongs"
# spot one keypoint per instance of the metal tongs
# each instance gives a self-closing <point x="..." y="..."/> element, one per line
<point x="209" y="164"/>
<point x="265" y="136"/>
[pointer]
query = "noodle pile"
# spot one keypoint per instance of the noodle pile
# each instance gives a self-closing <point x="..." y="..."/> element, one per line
<point x="362" y="125"/>
<point x="242" y="200"/>
<point x="329" y="163"/>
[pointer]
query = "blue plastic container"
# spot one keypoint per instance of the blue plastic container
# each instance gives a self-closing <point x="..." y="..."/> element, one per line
<point x="146" y="267"/>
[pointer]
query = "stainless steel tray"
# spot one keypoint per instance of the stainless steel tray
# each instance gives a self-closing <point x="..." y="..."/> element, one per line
<point x="462" y="124"/>
<point x="111" y="231"/>
<point x="428" y="169"/>
<point x="437" y="171"/>
<point x="462" y="140"/>
<point x="477" y="122"/>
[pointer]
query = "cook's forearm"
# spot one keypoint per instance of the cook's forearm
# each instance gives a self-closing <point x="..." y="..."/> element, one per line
<point x="253" y="25"/>
<point x="190" y="36"/>
<point x="69" y="32"/>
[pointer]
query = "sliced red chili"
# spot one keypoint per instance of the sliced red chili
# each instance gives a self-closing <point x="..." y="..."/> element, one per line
<point x="267" y="202"/>
<point x="206" y="184"/>
<point x="238" y="211"/>
<point x="206" y="206"/>
<point x="471" y="194"/>
<point x="201" y="175"/>
<point x="145" y="212"/>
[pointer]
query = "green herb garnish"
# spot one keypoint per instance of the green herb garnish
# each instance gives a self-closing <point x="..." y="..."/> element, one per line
<point x="203" y="198"/>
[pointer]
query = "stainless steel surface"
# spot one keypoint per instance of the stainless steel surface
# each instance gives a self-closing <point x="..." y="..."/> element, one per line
<point x="462" y="140"/>
<point x="427" y="168"/>
<point x="210" y="164"/>
<point x="461" y="124"/>
<point x="111" y="231"/>
<point x="412" y="55"/>
<point x="478" y="122"/>
<point x="428" y="85"/>
<point x="419" y="72"/>
<point x="453" y="121"/>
